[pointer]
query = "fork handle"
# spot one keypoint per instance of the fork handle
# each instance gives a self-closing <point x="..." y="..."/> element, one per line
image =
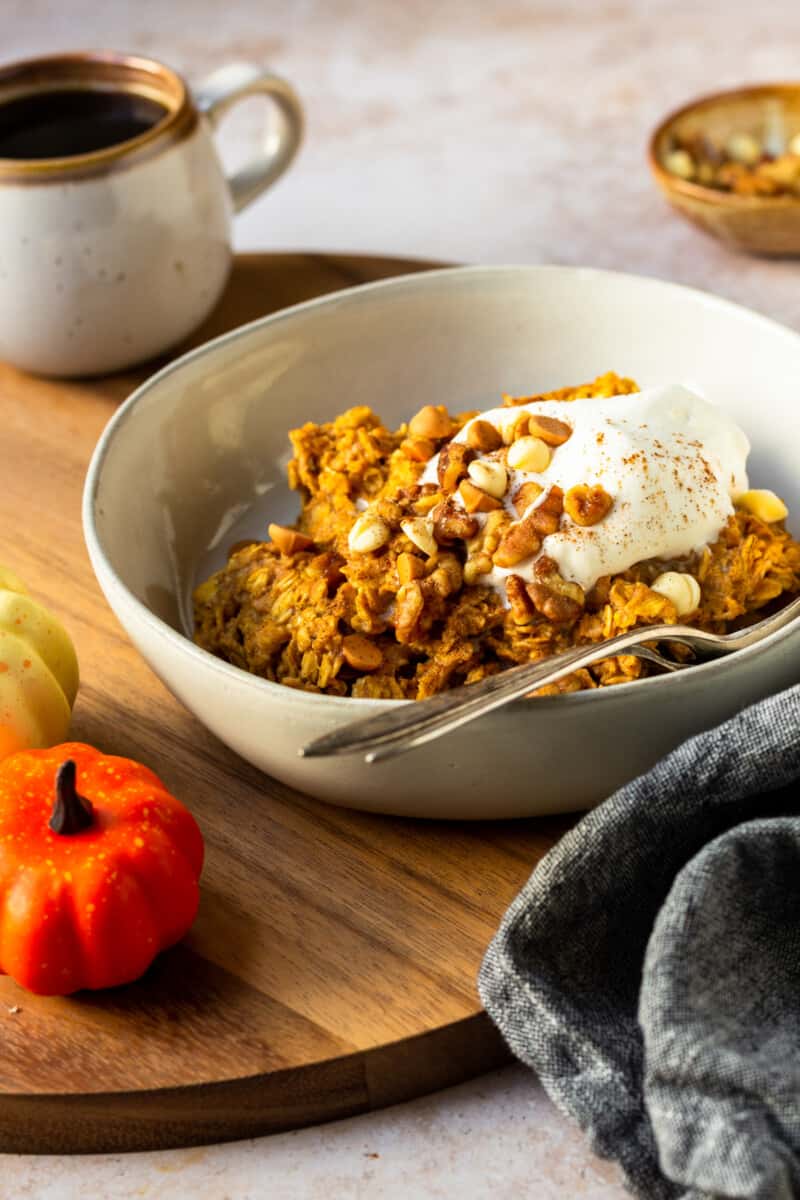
<point x="410" y="725"/>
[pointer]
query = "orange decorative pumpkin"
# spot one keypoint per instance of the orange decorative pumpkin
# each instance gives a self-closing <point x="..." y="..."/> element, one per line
<point x="99" y="869"/>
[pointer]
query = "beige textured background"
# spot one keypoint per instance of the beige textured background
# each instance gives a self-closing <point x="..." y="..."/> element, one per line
<point x="509" y="131"/>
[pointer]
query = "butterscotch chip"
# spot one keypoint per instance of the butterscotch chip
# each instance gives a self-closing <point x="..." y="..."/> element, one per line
<point x="432" y="421"/>
<point x="587" y="505"/>
<point x="475" y="500"/>
<point x="409" y="567"/>
<point x="552" y="431"/>
<point x="418" y="449"/>
<point x="484" y="437"/>
<point x="288" y="541"/>
<point x="360" y="653"/>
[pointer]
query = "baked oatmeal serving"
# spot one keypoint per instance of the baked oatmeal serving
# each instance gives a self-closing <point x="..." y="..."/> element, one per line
<point x="457" y="546"/>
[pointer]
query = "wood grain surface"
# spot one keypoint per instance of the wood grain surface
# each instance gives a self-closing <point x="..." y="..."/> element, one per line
<point x="332" y="966"/>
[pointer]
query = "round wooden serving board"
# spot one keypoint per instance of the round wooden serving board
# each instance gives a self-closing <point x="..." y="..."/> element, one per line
<point x="332" y="966"/>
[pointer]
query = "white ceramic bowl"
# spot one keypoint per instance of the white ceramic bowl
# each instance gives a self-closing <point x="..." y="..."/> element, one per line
<point x="196" y="459"/>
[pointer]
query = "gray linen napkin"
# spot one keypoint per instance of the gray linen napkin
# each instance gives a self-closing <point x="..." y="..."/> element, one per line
<point x="649" y="970"/>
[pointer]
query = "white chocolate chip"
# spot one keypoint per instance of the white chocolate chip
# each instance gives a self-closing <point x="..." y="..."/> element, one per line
<point x="368" y="533"/>
<point x="743" y="148"/>
<point x="490" y="476"/>
<point x="683" y="590"/>
<point x="764" y="504"/>
<point x="419" y="530"/>
<point x="680" y="163"/>
<point x="529" y="454"/>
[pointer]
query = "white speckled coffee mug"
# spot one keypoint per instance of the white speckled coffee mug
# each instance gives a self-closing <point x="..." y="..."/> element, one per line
<point x="111" y="256"/>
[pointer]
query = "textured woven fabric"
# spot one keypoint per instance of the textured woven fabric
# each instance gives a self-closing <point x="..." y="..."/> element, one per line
<point x="649" y="971"/>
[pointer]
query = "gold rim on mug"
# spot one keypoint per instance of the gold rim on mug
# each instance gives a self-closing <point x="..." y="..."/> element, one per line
<point x="98" y="70"/>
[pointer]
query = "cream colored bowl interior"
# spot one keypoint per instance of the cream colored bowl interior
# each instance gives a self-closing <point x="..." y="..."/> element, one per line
<point x="196" y="459"/>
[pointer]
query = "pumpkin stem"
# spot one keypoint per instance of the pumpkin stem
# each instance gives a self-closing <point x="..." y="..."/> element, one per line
<point x="71" y="811"/>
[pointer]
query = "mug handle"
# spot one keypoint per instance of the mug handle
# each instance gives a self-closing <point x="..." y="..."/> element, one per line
<point x="224" y="88"/>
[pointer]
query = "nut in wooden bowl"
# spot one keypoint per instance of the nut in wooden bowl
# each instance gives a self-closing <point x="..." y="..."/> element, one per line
<point x="730" y="163"/>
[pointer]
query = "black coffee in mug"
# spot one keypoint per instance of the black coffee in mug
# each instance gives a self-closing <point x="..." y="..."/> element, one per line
<point x="66" y="122"/>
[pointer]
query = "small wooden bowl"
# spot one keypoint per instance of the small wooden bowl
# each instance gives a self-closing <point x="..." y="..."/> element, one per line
<point x="758" y="224"/>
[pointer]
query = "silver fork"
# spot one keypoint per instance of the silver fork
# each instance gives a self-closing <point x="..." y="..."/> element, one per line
<point x="409" y="725"/>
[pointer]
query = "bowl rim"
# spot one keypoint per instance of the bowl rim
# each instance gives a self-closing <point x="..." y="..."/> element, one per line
<point x="109" y="579"/>
<point x="698" y="191"/>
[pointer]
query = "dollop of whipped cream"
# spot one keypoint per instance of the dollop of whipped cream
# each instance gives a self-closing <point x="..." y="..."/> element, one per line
<point x="671" y="461"/>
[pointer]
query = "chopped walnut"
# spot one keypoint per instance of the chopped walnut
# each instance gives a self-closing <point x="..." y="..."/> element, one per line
<point x="519" y="601"/>
<point x="482" y="546"/>
<point x="587" y="505"/>
<point x="553" y="501"/>
<point x="451" y="523"/>
<point x="525" y="496"/>
<point x="484" y="437"/>
<point x="446" y="578"/>
<point x="543" y="522"/>
<point x="555" y="606"/>
<point x="409" y="604"/>
<point x="451" y="468"/>
<point x="521" y="541"/>
<point x="475" y="566"/>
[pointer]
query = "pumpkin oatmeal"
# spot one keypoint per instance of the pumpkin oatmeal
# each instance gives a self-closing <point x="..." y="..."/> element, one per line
<point x="459" y="545"/>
